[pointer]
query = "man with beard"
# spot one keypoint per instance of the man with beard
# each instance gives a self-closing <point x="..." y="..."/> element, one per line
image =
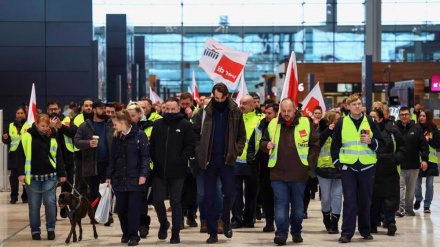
<point x="171" y="145"/>
<point x="220" y="139"/>
<point x="294" y="145"/>
<point x="95" y="153"/>
<point x="62" y="125"/>
<point x="187" y="107"/>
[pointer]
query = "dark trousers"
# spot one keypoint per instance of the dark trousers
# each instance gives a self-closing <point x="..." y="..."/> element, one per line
<point x="250" y="199"/>
<point x="128" y="206"/>
<point x="70" y="172"/>
<point x="145" y="219"/>
<point x="189" y="193"/>
<point x="267" y="192"/>
<point x="383" y="206"/>
<point x="13" y="181"/>
<point x="216" y="168"/>
<point x="311" y="187"/>
<point x="357" y="188"/>
<point x="174" y="188"/>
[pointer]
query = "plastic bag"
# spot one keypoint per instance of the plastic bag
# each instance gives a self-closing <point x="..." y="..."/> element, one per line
<point x="105" y="204"/>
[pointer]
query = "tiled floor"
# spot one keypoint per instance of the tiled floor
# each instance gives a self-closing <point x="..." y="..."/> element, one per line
<point x="420" y="230"/>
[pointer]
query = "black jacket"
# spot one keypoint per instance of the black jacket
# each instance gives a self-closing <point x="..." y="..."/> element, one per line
<point x="257" y="156"/>
<point x="171" y="145"/>
<point x="12" y="155"/>
<point x="129" y="160"/>
<point x="40" y="164"/>
<point x="415" y="145"/>
<point x="435" y="143"/>
<point x="90" y="155"/>
<point x="386" y="182"/>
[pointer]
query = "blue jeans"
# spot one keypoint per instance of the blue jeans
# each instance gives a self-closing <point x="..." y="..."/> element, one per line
<point x="288" y="194"/>
<point x="201" y="195"/>
<point x="49" y="200"/>
<point x="429" y="193"/>
<point x="331" y="194"/>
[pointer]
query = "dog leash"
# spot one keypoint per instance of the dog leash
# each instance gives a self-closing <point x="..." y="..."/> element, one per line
<point x="41" y="191"/>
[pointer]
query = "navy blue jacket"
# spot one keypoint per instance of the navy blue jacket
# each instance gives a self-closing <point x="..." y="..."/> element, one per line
<point x="129" y="160"/>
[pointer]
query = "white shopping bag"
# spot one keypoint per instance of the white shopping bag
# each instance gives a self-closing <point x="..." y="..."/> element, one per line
<point x="105" y="204"/>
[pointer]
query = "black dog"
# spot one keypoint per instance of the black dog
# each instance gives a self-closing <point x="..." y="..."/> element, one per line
<point x="77" y="207"/>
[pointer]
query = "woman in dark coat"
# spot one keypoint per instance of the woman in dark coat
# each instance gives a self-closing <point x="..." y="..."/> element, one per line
<point x="127" y="173"/>
<point x="12" y="137"/>
<point x="432" y="135"/>
<point x="386" y="190"/>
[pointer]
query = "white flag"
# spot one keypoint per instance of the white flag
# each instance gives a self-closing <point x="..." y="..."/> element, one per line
<point x="154" y="97"/>
<point x="222" y="63"/>
<point x="195" y="90"/>
<point x="32" y="110"/>
<point x="242" y="90"/>
<point x="313" y="99"/>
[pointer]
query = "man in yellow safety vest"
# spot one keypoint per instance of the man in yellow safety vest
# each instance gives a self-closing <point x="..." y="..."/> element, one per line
<point x="294" y="144"/>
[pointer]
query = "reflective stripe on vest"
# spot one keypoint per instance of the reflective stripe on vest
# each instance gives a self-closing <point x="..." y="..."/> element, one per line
<point x="67" y="140"/>
<point x="27" y="147"/>
<point x="301" y="138"/>
<point x="15" y="136"/>
<point x="352" y="149"/>
<point x="325" y="158"/>
<point x="251" y="119"/>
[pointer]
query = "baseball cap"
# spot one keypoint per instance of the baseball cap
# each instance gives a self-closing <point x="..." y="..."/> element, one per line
<point x="98" y="103"/>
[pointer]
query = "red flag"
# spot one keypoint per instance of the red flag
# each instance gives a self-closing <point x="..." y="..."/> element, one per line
<point x="290" y="87"/>
<point x="195" y="90"/>
<point x="32" y="110"/>
<point x="313" y="99"/>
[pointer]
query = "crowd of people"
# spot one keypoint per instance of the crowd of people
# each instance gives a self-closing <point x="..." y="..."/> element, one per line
<point x="230" y="163"/>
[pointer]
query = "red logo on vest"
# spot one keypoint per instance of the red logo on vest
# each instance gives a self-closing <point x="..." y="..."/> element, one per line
<point x="302" y="133"/>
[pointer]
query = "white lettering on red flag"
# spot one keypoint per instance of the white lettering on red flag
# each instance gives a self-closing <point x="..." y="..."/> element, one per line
<point x="222" y="63"/>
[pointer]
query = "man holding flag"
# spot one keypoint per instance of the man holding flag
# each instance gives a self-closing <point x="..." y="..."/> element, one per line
<point x="293" y="145"/>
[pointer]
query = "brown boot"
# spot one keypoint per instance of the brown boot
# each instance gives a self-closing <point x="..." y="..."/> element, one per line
<point x="220" y="227"/>
<point x="203" y="226"/>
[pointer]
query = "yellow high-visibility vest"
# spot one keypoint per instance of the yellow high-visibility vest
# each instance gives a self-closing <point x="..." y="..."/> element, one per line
<point x="352" y="149"/>
<point x="67" y="140"/>
<point x="301" y="137"/>
<point x="251" y="119"/>
<point x="325" y="158"/>
<point x="153" y="117"/>
<point x="15" y="136"/>
<point x="27" y="147"/>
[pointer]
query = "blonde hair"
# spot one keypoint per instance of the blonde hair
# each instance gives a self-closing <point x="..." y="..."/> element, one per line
<point x="352" y="98"/>
<point x="330" y="116"/>
<point x="378" y="103"/>
<point x="135" y="107"/>
<point x="123" y="116"/>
